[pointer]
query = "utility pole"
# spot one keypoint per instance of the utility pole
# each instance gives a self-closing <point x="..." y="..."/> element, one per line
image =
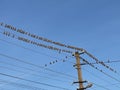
<point x="78" y="67"/>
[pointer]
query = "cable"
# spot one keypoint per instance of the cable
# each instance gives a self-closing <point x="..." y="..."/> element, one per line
<point x="7" y="75"/>
<point x="101" y="86"/>
<point x="99" y="69"/>
<point x="29" y="49"/>
<point x="95" y="75"/>
<point x="98" y="77"/>
<point x="38" y="66"/>
<point x="22" y="85"/>
<point x="6" y="33"/>
<point x="53" y="48"/>
<point x="100" y="62"/>
<point x="28" y="41"/>
<point x="108" y="62"/>
<point x="29" y="69"/>
<point x="44" y="39"/>
<point x="53" y="42"/>
<point x="36" y="36"/>
<point x="38" y="75"/>
<point x="32" y="50"/>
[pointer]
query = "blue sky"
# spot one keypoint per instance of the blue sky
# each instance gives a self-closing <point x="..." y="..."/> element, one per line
<point x="90" y="24"/>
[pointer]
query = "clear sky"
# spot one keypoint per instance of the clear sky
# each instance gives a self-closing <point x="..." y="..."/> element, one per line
<point x="90" y="24"/>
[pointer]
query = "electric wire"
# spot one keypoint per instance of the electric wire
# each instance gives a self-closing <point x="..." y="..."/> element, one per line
<point x="23" y="39"/>
<point x="29" y="49"/>
<point x="101" y="86"/>
<point x="37" y="75"/>
<point x="53" y="42"/>
<point x="86" y="62"/>
<point x="28" y="41"/>
<point x="114" y="61"/>
<point x="13" y="36"/>
<point x="76" y="49"/>
<point x="36" y="36"/>
<point x="21" y="85"/>
<point x="50" y="47"/>
<point x="38" y="52"/>
<point x="7" y="75"/>
<point x="29" y="69"/>
<point x="100" y="70"/>
<point x="100" y="62"/>
<point x="98" y="77"/>
<point x="38" y="66"/>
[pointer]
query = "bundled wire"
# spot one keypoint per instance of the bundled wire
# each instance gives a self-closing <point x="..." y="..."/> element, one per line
<point x="53" y="42"/>
<point x="37" y="37"/>
<point x="6" y="33"/>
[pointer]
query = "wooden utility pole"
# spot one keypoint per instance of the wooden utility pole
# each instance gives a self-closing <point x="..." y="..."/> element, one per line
<point x="78" y="67"/>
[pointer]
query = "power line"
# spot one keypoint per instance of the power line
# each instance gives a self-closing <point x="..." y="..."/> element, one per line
<point x="36" y="36"/>
<point x="99" y="69"/>
<point x="100" y="62"/>
<point x="98" y="77"/>
<point x="21" y="85"/>
<point x="104" y="62"/>
<point x="38" y="75"/>
<point x="6" y="33"/>
<point x="56" y="43"/>
<point x="32" y="50"/>
<point x="29" y="69"/>
<point x="11" y="35"/>
<point x="7" y="75"/>
<point x="38" y="66"/>
<point x="101" y="86"/>
<point x="53" y="42"/>
<point x="29" y="49"/>
<point x="53" y="48"/>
